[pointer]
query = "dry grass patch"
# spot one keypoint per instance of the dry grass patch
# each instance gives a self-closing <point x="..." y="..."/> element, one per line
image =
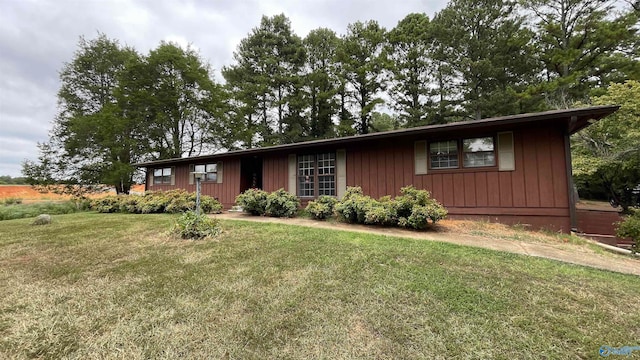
<point x="117" y="286"/>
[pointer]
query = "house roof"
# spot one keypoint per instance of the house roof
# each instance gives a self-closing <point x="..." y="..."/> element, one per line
<point x="573" y="119"/>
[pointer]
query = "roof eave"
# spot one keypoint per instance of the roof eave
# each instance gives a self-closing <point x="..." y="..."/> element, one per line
<point x="582" y="116"/>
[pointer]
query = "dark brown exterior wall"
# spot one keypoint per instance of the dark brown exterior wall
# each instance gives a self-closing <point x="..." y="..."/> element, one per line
<point x="225" y="192"/>
<point x="275" y="172"/>
<point x="535" y="193"/>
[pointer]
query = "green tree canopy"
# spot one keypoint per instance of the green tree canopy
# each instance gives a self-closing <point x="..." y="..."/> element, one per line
<point x="583" y="44"/>
<point x="607" y="153"/>
<point x="362" y="63"/>
<point x="94" y="139"/>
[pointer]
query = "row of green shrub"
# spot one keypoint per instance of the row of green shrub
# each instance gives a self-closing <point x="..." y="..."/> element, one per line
<point x="413" y="209"/>
<point x="259" y="202"/>
<point x="21" y="211"/>
<point x="630" y="228"/>
<point x="173" y="201"/>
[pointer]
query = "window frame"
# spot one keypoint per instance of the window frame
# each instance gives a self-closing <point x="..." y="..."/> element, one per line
<point x="492" y="151"/>
<point x="460" y="154"/>
<point x="207" y="173"/>
<point x="162" y="179"/>
<point x="457" y="155"/>
<point x="320" y="171"/>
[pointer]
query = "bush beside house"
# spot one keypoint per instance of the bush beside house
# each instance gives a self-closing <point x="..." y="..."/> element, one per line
<point x="413" y="209"/>
<point x="173" y="201"/>
<point x="630" y="228"/>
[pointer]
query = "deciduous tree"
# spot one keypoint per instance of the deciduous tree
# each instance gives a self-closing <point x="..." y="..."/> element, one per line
<point x="607" y="153"/>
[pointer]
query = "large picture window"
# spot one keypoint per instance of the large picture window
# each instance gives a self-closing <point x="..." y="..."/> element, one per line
<point x="162" y="176"/>
<point x="317" y="172"/>
<point x="210" y="171"/>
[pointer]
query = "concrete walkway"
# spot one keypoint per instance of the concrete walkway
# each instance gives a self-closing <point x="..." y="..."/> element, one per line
<point x="569" y="253"/>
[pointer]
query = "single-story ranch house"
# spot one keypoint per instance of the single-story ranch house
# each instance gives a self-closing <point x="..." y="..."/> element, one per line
<point x="510" y="169"/>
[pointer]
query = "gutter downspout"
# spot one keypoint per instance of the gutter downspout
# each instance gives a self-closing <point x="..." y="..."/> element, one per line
<point x="570" y="187"/>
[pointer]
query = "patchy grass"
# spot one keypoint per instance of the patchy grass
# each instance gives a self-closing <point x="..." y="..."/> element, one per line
<point x="118" y="286"/>
<point x="515" y="232"/>
<point x="21" y="211"/>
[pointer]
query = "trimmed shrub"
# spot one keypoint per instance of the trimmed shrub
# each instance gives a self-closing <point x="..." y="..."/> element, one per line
<point x="347" y="208"/>
<point x="381" y="213"/>
<point x="322" y="208"/>
<point x="173" y="201"/>
<point x="630" y="228"/>
<point x="107" y="204"/>
<point x="192" y="226"/>
<point x="282" y="204"/>
<point x="253" y="201"/>
<point x="413" y="209"/>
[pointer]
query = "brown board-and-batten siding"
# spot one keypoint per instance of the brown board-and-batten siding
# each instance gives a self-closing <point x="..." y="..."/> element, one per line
<point x="534" y="192"/>
<point x="224" y="191"/>
<point x="275" y="170"/>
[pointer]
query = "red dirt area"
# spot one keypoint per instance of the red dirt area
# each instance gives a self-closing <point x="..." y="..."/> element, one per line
<point x="28" y="194"/>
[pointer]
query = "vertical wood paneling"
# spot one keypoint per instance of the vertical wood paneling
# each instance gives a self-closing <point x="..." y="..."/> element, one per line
<point x="357" y="168"/>
<point x="532" y="191"/>
<point x="458" y="190"/>
<point x="390" y="172"/>
<point x="482" y="198"/>
<point x="373" y="173"/>
<point x="382" y="172"/>
<point x="397" y="171"/>
<point x="469" y="189"/>
<point x="559" y="172"/>
<point x="517" y="176"/>
<point x="427" y="183"/>
<point x="545" y="174"/>
<point x="417" y="181"/>
<point x="438" y="191"/>
<point x="493" y="189"/>
<point x="284" y="172"/>
<point x="447" y="189"/>
<point x="407" y="165"/>
<point x="506" y="190"/>
<point x="351" y="180"/>
<point x="366" y="177"/>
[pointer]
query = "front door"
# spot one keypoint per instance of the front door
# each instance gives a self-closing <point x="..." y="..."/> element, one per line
<point x="250" y="173"/>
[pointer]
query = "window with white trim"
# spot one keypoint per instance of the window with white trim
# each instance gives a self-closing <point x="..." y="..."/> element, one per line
<point x="444" y="154"/>
<point x="210" y="171"/>
<point x="317" y="172"/>
<point x="162" y="176"/>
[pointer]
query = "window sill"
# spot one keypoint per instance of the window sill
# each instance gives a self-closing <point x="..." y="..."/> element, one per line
<point x="462" y="170"/>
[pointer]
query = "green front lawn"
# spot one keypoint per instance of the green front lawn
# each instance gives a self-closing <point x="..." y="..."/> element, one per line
<point x="118" y="286"/>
